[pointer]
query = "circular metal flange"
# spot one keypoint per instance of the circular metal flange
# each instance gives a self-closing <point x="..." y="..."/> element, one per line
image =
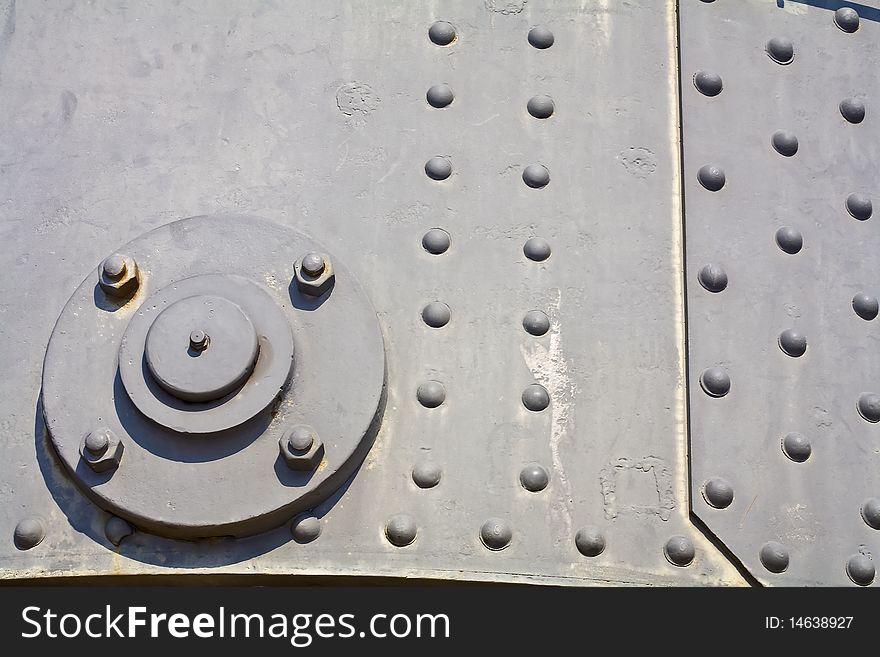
<point x="195" y="464"/>
<point x="222" y="386"/>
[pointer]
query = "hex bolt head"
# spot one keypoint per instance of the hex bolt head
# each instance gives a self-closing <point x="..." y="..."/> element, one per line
<point x="301" y="448"/>
<point x="198" y="340"/>
<point x="119" y="276"/>
<point x="314" y="274"/>
<point x="101" y="449"/>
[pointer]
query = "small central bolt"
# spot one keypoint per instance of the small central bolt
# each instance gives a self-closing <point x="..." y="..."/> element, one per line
<point x="114" y="267"/>
<point x="198" y="340"/>
<point x="313" y="264"/>
<point x="97" y="442"/>
<point x="300" y="440"/>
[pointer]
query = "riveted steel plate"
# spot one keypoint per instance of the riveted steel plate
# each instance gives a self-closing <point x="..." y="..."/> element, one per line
<point x="214" y="468"/>
<point x="782" y="461"/>
<point x="508" y="197"/>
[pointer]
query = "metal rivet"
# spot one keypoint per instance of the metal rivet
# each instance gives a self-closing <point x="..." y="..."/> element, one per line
<point x="718" y="492"/>
<point x="715" y="381"/>
<point x="436" y="314"/>
<point x="426" y="475"/>
<point x="708" y="84"/>
<point x="711" y="177"/>
<point x="871" y="512"/>
<point x="440" y="95"/>
<point x="859" y="206"/>
<point x="869" y="406"/>
<point x="536" y="322"/>
<point x="785" y="143"/>
<point x="713" y="278"/>
<point x="441" y="33"/>
<point x="852" y="109"/>
<point x="865" y="306"/>
<point x="774" y="556"/>
<point x="431" y="394"/>
<point x="780" y="50"/>
<point x="496" y="534"/>
<point x="860" y="569"/>
<point x="793" y="343"/>
<point x="541" y="107"/>
<point x="540" y="37"/>
<point x="438" y="168"/>
<point x="29" y="532"/>
<point x="436" y="241"/>
<point x="97" y="442"/>
<point x="789" y="239"/>
<point x="305" y="528"/>
<point x="116" y="530"/>
<point x="796" y="446"/>
<point x="534" y="478"/>
<point x="679" y="551"/>
<point x="589" y="541"/>
<point x="401" y="530"/>
<point x="536" y="176"/>
<point x="537" y="249"/>
<point x="313" y="264"/>
<point x="114" y="266"/>
<point x="535" y="397"/>
<point x="300" y="438"/>
<point x="847" y="19"/>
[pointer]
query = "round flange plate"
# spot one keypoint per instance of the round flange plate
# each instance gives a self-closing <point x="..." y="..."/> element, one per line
<point x="196" y="376"/>
<point x="236" y="376"/>
<point x="180" y="359"/>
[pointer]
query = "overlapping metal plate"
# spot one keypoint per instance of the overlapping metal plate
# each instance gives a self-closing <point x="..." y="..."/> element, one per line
<point x="782" y="319"/>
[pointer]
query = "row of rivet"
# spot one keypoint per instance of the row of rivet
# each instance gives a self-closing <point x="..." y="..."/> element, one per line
<point x="715" y="381"/>
<point x="846" y="18"/>
<point x="495" y="534"/>
<point x="441" y="95"/>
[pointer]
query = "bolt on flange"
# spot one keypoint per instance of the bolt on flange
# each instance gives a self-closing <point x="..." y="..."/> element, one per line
<point x="101" y="449"/>
<point x="119" y="276"/>
<point x="301" y="448"/>
<point x="314" y="274"/>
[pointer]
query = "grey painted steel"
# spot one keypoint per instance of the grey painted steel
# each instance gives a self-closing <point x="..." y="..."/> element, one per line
<point x="250" y="382"/>
<point x="212" y="467"/>
<point x="315" y="116"/>
<point x="793" y="326"/>
<point x="201" y="348"/>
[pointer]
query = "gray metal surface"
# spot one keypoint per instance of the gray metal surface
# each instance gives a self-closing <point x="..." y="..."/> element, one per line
<point x="218" y="466"/>
<point x="782" y="284"/>
<point x="318" y="116"/>
<point x="479" y="204"/>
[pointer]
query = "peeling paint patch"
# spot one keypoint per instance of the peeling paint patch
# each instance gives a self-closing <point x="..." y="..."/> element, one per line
<point x="550" y="369"/>
<point x="652" y="466"/>
<point x="505" y="7"/>
<point x="639" y="162"/>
